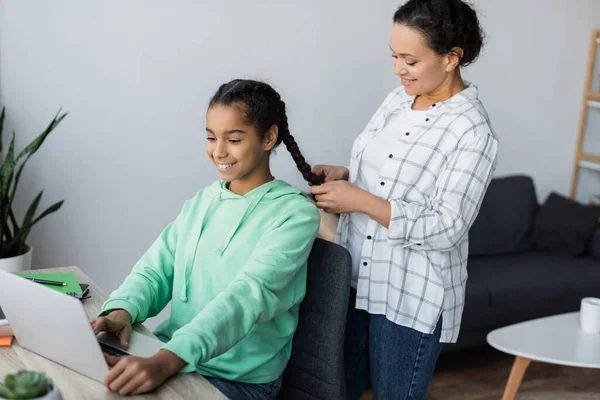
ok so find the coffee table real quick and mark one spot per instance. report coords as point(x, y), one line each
point(555, 340)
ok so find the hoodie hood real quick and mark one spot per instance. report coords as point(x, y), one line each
point(218, 193)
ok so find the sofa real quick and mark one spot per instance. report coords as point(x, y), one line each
point(511, 279)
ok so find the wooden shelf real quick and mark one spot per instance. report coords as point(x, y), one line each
point(595, 166)
point(591, 100)
point(590, 157)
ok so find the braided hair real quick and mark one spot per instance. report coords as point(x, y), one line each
point(263, 108)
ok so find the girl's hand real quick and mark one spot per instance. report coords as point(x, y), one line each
point(118, 322)
point(135, 375)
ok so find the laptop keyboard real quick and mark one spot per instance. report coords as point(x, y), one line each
point(111, 351)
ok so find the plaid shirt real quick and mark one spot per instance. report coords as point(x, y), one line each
point(435, 178)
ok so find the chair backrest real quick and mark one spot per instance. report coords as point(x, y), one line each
point(316, 366)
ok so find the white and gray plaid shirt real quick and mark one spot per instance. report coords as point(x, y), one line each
point(435, 178)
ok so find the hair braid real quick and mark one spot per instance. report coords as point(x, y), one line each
point(292, 146)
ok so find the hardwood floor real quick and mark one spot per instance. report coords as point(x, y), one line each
point(481, 374)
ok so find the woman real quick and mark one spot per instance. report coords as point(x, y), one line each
point(416, 179)
point(233, 263)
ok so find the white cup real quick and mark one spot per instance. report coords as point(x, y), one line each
point(590, 315)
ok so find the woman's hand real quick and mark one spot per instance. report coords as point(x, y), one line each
point(339, 196)
point(135, 375)
point(117, 322)
point(332, 172)
point(343, 197)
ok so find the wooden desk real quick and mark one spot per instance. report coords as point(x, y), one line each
point(74, 386)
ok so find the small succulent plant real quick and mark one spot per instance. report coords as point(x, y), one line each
point(25, 385)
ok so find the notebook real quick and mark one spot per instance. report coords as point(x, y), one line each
point(6, 341)
point(72, 287)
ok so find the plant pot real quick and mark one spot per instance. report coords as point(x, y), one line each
point(17, 263)
point(54, 394)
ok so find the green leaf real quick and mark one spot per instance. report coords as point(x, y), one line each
point(13, 192)
point(37, 142)
point(1, 127)
point(6, 177)
point(7, 170)
point(48, 211)
point(11, 215)
point(9, 233)
point(32, 209)
point(20, 237)
point(24, 232)
point(6, 392)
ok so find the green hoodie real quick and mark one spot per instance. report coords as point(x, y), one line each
point(234, 268)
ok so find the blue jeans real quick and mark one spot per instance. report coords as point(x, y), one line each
point(399, 360)
point(247, 391)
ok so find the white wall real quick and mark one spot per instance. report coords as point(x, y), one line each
point(136, 77)
point(531, 79)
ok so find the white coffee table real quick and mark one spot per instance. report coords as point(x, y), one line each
point(555, 340)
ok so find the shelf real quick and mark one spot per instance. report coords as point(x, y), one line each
point(590, 157)
point(591, 100)
point(589, 165)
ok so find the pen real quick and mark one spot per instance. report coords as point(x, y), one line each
point(56, 283)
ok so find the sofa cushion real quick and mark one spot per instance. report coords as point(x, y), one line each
point(564, 226)
point(535, 278)
point(595, 245)
point(505, 219)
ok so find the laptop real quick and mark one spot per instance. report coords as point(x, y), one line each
point(56, 326)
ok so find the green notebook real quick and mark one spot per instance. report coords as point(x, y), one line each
point(72, 286)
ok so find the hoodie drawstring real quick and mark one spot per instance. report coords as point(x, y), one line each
point(189, 265)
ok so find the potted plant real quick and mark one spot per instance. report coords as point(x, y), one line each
point(15, 253)
point(29, 385)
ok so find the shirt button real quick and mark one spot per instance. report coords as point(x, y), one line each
point(369, 237)
point(433, 105)
point(426, 119)
point(382, 183)
point(365, 263)
point(407, 133)
point(418, 244)
point(391, 156)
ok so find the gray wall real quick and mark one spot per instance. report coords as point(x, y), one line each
point(136, 77)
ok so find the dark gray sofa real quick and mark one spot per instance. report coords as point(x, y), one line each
point(509, 279)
